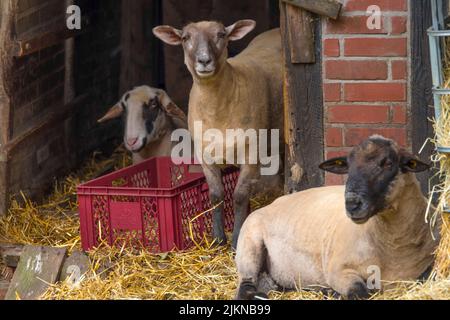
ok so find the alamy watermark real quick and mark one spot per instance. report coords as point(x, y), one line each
point(234, 147)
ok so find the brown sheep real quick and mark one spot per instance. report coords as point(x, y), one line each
point(243, 92)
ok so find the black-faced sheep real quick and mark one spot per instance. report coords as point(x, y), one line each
point(338, 237)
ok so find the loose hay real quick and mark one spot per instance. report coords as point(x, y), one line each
point(205, 272)
point(442, 161)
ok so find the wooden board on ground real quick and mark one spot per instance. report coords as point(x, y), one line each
point(10, 254)
point(38, 268)
point(75, 267)
point(4, 284)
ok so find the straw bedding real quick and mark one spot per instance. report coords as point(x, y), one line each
point(205, 272)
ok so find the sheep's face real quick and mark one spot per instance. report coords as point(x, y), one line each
point(143, 121)
point(144, 117)
point(205, 43)
point(374, 170)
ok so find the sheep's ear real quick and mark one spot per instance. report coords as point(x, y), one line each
point(177, 115)
point(410, 163)
point(335, 165)
point(113, 113)
point(168, 34)
point(240, 29)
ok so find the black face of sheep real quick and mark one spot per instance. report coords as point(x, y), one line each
point(372, 168)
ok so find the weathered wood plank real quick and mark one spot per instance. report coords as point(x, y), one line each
point(38, 267)
point(10, 254)
point(303, 99)
point(300, 35)
point(75, 267)
point(53, 118)
point(4, 285)
point(141, 52)
point(39, 41)
point(421, 84)
point(7, 13)
point(327, 8)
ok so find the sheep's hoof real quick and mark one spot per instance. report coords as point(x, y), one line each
point(358, 291)
point(247, 291)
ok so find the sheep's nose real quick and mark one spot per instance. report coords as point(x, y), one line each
point(131, 142)
point(204, 60)
point(353, 202)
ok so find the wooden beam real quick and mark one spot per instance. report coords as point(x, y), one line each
point(39, 267)
point(421, 84)
point(303, 102)
point(327, 8)
point(300, 34)
point(45, 39)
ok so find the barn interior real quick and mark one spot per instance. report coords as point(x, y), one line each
point(56, 83)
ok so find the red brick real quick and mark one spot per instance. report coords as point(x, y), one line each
point(399, 114)
point(336, 154)
point(375, 47)
point(354, 136)
point(358, 114)
point(385, 5)
point(334, 137)
point(334, 179)
point(356, 70)
point(353, 25)
point(332, 92)
point(399, 25)
point(399, 70)
point(331, 48)
point(373, 92)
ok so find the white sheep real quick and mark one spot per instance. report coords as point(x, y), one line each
point(150, 118)
point(341, 237)
point(244, 92)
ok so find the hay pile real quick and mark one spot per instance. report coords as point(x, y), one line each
point(205, 272)
point(442, 161)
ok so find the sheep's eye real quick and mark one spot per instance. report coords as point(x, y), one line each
point(153, 104)
point(221, 35)
point(186, 37)
point(386, 163)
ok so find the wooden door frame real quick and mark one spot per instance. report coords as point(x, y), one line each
point(304, 113)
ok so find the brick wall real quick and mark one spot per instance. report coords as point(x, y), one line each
point(365, 77)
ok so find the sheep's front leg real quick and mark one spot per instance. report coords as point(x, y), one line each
point(213, 176)
point(349, 284)
point(242, 198)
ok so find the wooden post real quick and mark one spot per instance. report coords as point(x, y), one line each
point(327, 8)
point(303, 101)
point(140, 49)
point(300, 35)
point(7, 9)
point(421, 83)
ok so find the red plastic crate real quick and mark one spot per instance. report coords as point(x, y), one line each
point(151, 204)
